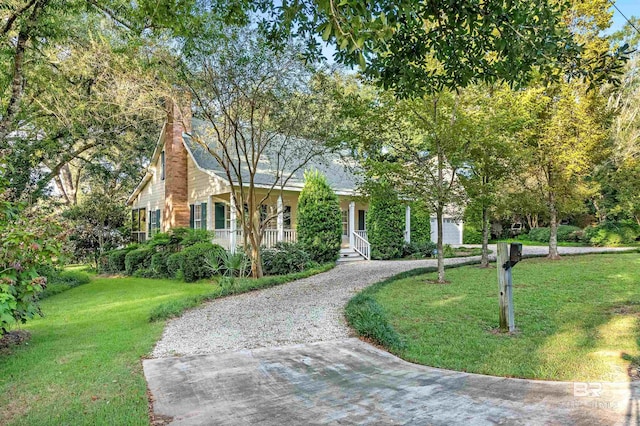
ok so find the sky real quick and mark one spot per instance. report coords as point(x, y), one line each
point(629, 8)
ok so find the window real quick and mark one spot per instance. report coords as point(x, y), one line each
point(162, 165)
point(198, 216)
point(287, 217)
point(269, 212)
point(345, 223)
point(139, 225)
point(154, 222)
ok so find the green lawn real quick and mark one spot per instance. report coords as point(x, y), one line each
point(82, 364)
point(578, 319)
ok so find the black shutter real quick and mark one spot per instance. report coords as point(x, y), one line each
point(361, 220)
point(191, 216)
point(219, 216)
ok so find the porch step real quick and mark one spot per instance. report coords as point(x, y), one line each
point(349, 255)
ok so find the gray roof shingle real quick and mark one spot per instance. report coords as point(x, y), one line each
point(341, 171)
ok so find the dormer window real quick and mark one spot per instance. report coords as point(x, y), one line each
point(162, 165)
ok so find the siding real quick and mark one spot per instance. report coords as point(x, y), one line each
point(201, 185)
point(152, 195)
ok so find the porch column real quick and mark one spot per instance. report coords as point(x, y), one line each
point(280, 219)
point(210, 212)
point(352, 221)
point(232, 223)
point(407, 224)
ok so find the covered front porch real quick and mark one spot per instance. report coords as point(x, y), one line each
point(281, 212)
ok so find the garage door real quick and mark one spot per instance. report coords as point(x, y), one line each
point(451, 231)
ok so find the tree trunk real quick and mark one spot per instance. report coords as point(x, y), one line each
point(553, 228)
point(484, 261)
point(255, 239)
point(17, 84)
point(256, 263)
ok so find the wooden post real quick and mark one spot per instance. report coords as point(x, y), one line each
point(507, 321)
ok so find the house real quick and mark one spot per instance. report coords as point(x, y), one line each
point(185, 187)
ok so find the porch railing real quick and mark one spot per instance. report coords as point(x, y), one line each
point(269, 238)
point(361, 244)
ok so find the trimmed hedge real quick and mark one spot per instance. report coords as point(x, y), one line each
point(196, 257)
point(319, 219)
point(420, 223)
point(612, 234)
point(138, 259)
point(385, 223)
point(159, 264)
point(285, 258)
point(175, 262)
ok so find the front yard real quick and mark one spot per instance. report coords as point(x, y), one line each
point(578, 319)
point(82, 364)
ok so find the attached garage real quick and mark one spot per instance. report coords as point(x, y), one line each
point(451, 230)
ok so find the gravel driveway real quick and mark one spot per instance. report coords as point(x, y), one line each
point(304, 311)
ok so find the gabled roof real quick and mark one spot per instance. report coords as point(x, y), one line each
point(340, 170)
point(149, 172)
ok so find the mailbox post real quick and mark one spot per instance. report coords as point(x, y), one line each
point(507, 256)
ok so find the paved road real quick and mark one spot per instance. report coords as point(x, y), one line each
point(351, 382)
point(304, 369)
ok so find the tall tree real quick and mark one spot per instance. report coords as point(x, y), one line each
point(260, 114)
point(495, 119)
point(417, 145)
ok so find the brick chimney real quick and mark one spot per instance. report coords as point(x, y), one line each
point(176, 207)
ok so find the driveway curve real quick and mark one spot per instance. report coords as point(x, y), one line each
point(283, 356)
point(304, 311)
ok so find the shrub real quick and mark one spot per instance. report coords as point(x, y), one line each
point(175, 262)
point(612, 233)
point(28, 243)
point(420, 223)
point(385, 223)
point(72, 278)
point(319, 219)
point(196, 263)
point(419, 250)
point(285, 258)
point(59, 281)
point(566, 233)
point(137, 259)
point(471, 235)
point(192, 237)
point(115, 260)
point(159, 264)
point(228, 264)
